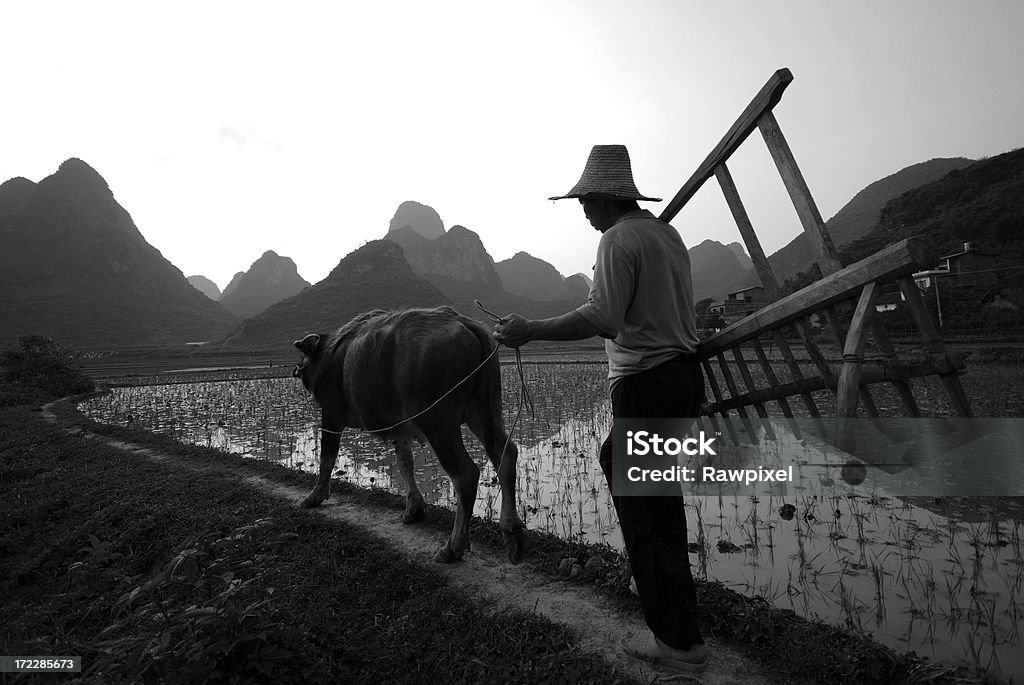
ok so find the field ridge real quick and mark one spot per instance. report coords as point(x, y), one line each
point(484, 574)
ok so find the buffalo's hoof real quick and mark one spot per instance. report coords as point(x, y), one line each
point(413, 515)
point(444, 555)
point(515, 545)
point(447, 555)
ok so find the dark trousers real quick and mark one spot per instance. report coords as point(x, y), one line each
point(654, 528)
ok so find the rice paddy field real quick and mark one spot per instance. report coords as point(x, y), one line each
point(942, 576)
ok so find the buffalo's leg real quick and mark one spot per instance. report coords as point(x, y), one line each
point(413, 499)
point(451, 453)
point(503, 455)
point(329, 444)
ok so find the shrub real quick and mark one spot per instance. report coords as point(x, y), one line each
point(38, 369)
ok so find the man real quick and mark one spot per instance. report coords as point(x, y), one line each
point(641, 302)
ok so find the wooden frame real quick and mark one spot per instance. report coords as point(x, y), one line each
point(841, 291)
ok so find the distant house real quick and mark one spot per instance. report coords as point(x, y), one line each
point(740, 303)
point(968, 267)
point(887, 302)
point(971, 267)
point(924, 279)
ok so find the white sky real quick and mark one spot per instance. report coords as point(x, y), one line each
point(227, 129)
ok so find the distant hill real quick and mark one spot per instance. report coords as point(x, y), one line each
point(457, 263)
point(976, 216)
point(375, 275)
point(270, 279)
point(526, 275)
point(423, 220)
point(205, 286)
point(457, 255)
point(715, 268)
point(860, 215)
point(73, 266)
point(232, 284)
point(982, 204)
point(741, 254)
point(857, 218)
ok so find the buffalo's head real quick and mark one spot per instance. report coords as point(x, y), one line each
point(309, 347)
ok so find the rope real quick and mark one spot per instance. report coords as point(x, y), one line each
point(524, 393)
point(432, 404)
point(883, 358)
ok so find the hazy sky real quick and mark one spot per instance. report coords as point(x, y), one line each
point(227, 129)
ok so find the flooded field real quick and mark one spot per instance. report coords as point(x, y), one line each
point(941, 576)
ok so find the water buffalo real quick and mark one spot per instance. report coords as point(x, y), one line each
point(382, 368)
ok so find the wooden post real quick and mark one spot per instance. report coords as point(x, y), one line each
point(766, 98)
point(800, 194)
point(853, 359)
point(832, 316)
point(739, 214)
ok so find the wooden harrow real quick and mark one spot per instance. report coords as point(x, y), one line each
point(843, 300)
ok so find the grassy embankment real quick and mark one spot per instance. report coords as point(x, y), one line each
point(155, 573)
point(159, 574)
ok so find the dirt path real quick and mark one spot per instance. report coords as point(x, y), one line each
point(485, 575)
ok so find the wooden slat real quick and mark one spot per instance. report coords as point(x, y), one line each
point(754, 249)
point(899, 259)
point(797, 374)
point(870, 374)
point(734, 391)
point(803, 328)
point(903, 389)
point(716, 391)
point(800, 194)
point(748, 381)
point(773, 380)
point(714, 423)
point(766, 98)
point(933, 343)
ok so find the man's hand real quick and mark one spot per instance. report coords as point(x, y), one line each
point(514, 331)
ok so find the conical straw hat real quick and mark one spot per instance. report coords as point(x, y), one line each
point(608, 175)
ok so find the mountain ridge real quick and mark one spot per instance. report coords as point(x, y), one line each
point(854, 219)
point(373, 276)
point(75, 267)
point(269, 279)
